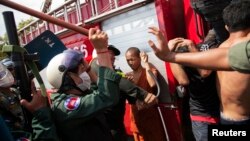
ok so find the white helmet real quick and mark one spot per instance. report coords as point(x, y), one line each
point(60, 64)
point(6, 78)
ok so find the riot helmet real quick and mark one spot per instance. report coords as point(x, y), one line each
point(6, 78)
point(60, 64)
point(8, 63)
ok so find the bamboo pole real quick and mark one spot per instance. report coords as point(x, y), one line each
point(43, 16)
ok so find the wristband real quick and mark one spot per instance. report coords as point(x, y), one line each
point(100, 52)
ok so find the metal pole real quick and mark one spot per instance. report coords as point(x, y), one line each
point(21, 75)
point(43, 16)
point(158, 107)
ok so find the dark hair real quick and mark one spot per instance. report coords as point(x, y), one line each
point(237, 15)
point(135, 50)
point(67, 84)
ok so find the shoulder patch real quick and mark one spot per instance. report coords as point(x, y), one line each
point(72, 103)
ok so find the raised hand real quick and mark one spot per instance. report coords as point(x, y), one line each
point(99, 39)
point(172, 44)
point(144, 57)
point(161, 51)
point(190, 44)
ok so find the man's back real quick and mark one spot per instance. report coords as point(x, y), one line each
point(235, 94)
point(233, 87)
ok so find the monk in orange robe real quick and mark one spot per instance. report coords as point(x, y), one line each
point(146, 123)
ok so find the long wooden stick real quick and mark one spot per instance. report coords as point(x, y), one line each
point(43, 16)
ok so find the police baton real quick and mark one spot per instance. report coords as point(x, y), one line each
point(158, 107)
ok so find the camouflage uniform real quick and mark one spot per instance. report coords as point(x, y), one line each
point(11, 109)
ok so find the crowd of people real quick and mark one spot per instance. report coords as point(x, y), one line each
point(89, 98)
point(232, 92)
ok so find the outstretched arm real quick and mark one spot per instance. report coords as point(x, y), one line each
point(216, 59)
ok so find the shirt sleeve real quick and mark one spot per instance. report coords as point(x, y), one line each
point(131, 91)
point(105, 96)
point(43, 125)
point(239, 57)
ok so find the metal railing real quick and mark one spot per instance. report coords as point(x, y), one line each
point(72, 12)
point(63, 12)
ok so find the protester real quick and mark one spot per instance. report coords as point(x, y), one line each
point(204, 102)
point(232, 86)
point(145, 124)
point(234, 58)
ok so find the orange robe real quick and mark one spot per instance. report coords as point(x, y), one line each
point(146, 124)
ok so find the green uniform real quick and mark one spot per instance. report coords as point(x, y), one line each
point(81, 118)
point(115, 114)
point(239, 57)
point(43, 125)
point(12, 114)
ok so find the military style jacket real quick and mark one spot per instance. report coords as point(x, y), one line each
point(11, 110)
point(12, 114)
point(81, 118)
point(128, 91)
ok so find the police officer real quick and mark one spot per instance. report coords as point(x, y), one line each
point(12, 115)
point(78, 112)
point(10, 107)
point(128, 91)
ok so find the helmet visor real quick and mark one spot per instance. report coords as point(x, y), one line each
point(72, 58)
point(6, 78)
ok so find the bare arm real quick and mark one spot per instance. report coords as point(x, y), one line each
point(177, 69)
point(216, 59)
point(192, 48)
point(149, 67)
point(179, 74)
point(99, 40)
